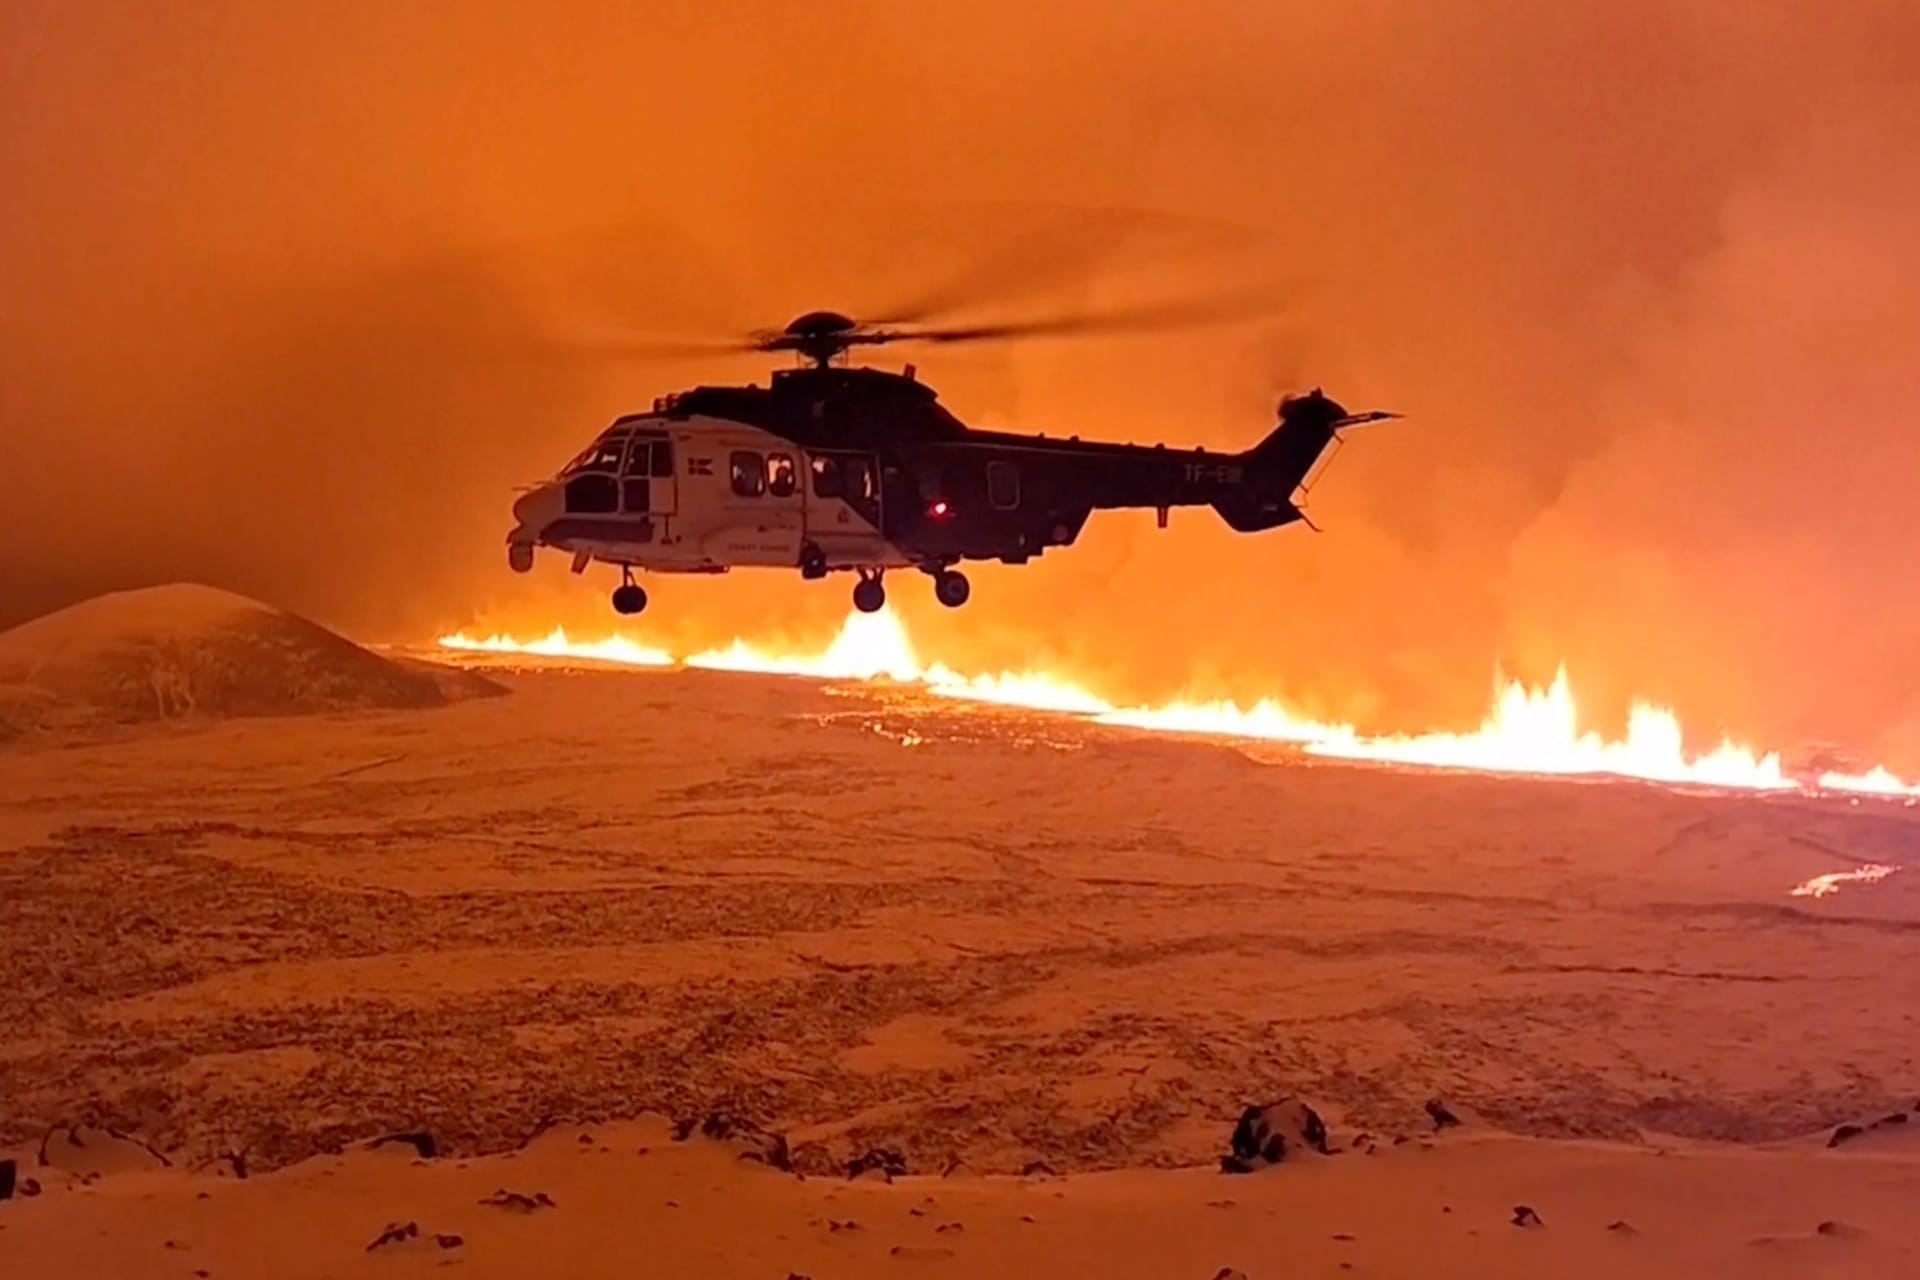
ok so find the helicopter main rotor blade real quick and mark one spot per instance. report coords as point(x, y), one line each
point(1161, 318)
point(1068, 251)
point(647, 348)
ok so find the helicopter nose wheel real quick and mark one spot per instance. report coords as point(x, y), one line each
point(628, 597)
point(950, 588)
point(869, 596)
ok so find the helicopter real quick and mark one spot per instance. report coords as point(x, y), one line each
point(834, 467)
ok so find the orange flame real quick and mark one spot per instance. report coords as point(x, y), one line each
point(1527, 730)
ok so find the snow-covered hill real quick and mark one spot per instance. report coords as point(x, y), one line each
point(184, 650)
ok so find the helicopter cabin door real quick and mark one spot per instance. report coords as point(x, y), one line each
point(843, 507)
point(646, 480)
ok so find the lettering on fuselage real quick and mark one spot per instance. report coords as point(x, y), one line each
point(1217, 472)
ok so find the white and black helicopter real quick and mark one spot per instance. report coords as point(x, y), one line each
point(836, 467)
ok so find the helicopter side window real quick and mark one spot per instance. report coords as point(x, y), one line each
point(826, 478)
point(1003, 485)
point(858, 478)
point(749, 474)
point(781, 480)
point(662, 460)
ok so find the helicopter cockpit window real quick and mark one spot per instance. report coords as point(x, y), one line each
point(781, 481)
point(749, 476)
point(662, 460)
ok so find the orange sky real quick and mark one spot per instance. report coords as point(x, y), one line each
point(1640, 273)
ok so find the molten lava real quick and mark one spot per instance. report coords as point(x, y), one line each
point(557, 644)
point(1527, 730)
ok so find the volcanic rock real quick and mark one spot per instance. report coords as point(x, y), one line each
point(1264, 1135)
point(1443, 1116)
point(421, 1141)
point(1524, 1216)
point(1845, 1133)
point(888, 1163)
point(83, 1150)
point(812, 1160)
point(518, 1201)
point(187, 651)
point(751, 1141)
point(395, 1233)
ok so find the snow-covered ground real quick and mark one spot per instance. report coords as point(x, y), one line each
point(877, 918)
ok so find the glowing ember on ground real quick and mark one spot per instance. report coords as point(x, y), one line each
point(1821, 886)
point(1527, 730)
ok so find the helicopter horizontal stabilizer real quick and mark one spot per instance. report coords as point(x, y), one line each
point(1248, 512)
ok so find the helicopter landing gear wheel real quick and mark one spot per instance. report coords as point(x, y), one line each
point(869, 596)
point(628, 598)
point(950, 588)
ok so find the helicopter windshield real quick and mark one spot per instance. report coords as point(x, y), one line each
point(603, 454)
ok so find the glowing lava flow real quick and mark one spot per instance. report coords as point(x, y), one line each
point(1527, 730)
point(1874, 782)
point(556, 644)
point(1821, 886)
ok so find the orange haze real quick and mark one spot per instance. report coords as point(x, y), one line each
point(280, 288)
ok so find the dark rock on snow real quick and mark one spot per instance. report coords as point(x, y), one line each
point(421, 1141)
point(519, 1202)
point(1264, 1135)
point(395, 1233)
point(889, 1163)
point(754, 1143)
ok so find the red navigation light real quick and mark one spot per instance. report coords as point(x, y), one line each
point(938, 509)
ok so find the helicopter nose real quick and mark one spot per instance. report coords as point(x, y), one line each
point(532, 512)
point(537, 506)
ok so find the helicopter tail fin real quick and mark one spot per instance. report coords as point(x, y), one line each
point(1286, 464)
